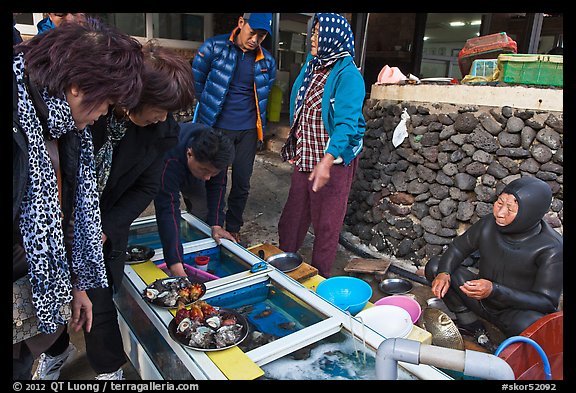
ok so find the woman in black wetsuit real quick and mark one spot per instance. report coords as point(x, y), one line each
point(520, 269)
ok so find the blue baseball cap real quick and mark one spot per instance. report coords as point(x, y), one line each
point(259, 21)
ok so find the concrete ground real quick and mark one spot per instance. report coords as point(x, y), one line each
point(270, 184)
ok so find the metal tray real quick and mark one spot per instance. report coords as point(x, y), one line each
point(285, 261)
point(240, 319)
point(395, 286)
point(142, 254)
point(169, 280)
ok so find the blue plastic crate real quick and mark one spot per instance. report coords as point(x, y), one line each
point(483, 67)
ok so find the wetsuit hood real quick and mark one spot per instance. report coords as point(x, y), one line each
point(534, 197)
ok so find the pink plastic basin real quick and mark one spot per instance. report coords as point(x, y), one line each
point(406, 302)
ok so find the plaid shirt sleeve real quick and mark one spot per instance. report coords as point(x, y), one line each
point(312, 137)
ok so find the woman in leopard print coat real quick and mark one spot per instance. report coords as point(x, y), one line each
point(64, 80)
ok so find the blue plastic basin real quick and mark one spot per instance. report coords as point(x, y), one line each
point(348, 293)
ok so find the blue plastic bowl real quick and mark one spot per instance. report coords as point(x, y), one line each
point(349, 293)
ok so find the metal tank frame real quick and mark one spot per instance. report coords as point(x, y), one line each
point(144, 328)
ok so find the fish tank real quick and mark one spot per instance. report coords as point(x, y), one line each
point(196, 242)
point(273, 313)
point(338, 357)
point(292, 332)
point(270, 311)
point(222, 263)
point(144, 232)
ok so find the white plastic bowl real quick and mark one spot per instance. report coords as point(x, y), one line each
point(389, 321)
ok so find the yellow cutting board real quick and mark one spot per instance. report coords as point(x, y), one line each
point(233, 362)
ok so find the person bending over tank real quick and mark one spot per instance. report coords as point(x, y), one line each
point(196, 168)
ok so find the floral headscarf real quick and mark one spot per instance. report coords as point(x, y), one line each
point(335, 40)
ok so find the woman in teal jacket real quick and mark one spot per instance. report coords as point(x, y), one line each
point(325, 140)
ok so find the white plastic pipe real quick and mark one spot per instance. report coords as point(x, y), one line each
point(472, 363)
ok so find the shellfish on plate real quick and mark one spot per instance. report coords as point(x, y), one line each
point(170, 292)
point(206, 328)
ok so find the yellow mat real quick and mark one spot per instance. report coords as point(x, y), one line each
point(233, 362)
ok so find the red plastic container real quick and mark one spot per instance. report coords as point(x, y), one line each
point(202, 262)
point(484, 47)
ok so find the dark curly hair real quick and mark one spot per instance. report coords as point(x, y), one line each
point(105, 63)
point(211, 146)
point(167, 80)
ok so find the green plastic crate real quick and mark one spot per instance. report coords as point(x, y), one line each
point(531, 69)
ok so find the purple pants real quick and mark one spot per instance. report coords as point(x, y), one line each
point(324, 209)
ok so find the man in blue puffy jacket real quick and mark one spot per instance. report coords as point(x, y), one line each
point(233, 76)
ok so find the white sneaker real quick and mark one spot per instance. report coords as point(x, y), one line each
point(116, 375)
point(49, 366)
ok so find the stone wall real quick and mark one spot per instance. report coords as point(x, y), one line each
point(410, 201)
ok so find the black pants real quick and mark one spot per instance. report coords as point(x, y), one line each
point(104, 347)
point(245, 144)
point(22, 363)
point(510, 321)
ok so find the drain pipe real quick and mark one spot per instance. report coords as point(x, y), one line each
point(471, 363)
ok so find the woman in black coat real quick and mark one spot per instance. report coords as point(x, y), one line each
point(129, 147)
